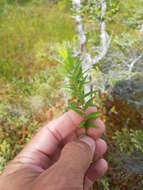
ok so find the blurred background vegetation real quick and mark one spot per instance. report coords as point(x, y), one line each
point(31, 88)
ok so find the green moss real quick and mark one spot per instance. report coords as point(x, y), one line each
point(22, 28)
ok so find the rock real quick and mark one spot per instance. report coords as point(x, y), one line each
point(131, 91)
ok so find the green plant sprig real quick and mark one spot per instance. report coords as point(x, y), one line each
point(77, 79)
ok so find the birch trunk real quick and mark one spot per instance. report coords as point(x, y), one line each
point(86, 58)
point(132, 64)
point(104, 38)
point(88, 62)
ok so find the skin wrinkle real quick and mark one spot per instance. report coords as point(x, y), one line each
point(18, 166)
point(40, 158)
point(30, 157)
point(55, 133)
point(43, 153)
point(71, 119)
point(47, 158)
point(87, 183)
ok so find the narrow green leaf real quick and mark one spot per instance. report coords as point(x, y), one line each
point(92, 115)
point(74, 107)
point(89, 93)
point(90, 125)
point(82, 124)
point(88, 104)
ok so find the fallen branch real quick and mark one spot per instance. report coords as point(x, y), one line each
point(131, 65)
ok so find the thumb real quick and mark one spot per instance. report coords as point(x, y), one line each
point(77, 156)
point(70, 170)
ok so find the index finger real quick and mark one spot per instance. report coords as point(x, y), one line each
point(50, 136)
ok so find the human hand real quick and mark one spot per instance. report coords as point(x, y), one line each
point(58, 158)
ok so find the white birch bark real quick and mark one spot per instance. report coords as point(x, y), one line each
point(131, 66)
point(86, 58)
point(104, 38)
point(88, 62)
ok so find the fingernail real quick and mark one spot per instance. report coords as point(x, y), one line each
point(90, 142)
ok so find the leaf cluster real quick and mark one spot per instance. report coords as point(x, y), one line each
point(129, 141)
point(77, 79)
point(92, 9)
